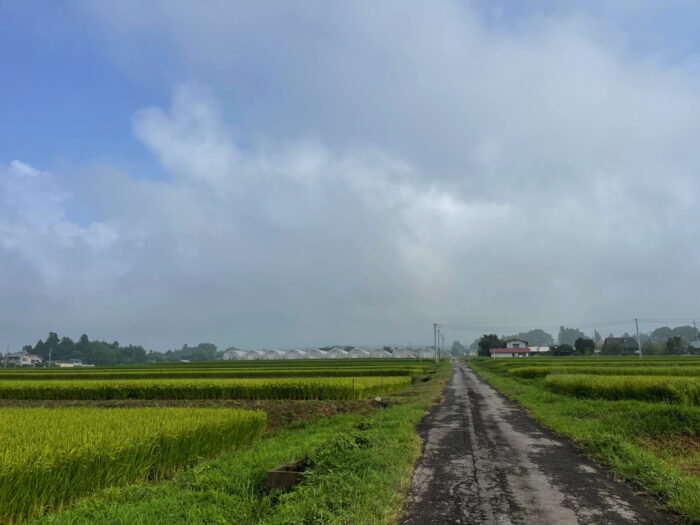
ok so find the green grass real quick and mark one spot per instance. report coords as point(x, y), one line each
point(361, 467)
point(50, 457)
point(290, 388)
point(618, 433)
point(669, 389)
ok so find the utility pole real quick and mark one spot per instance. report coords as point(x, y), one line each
point(696, 335)
point(639, 343)
point(50, 349)
point(443, 343)
point(7, 352)
point(435, 341)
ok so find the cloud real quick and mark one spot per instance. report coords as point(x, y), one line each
point(359, 173)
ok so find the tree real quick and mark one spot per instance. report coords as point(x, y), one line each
point(537, 337)
point(612, 348)
point(676, 346)
point(562, 350)
point(487, 342)
point(568, 336)
point(584, 346)
point(458, 349)
point(652, 349)
point(662, 334)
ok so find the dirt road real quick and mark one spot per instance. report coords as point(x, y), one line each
point(486, 461)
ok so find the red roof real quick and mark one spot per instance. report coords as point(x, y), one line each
point(510, 350)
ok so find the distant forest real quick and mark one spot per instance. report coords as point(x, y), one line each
point(102, 353)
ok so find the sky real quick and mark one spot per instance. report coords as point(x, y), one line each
point(262, 174)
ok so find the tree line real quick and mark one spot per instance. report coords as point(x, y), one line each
point(572, 341)
point(103, 353)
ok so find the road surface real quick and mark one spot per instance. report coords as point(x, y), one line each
point(486, 461)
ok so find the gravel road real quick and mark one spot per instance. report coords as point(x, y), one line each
point(486, 461)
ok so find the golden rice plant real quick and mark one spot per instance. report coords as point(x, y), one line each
point(531, 372)
point(289, 388)
point(50, 457)
point(670, 389)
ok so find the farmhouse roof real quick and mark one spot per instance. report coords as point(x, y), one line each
point(510, 350)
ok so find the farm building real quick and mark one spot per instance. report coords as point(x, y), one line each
point(233, 354)
point(513, 351)
point(295, 354)
point(358, 353)
point(516, 343)
point(426, 353)
point(337, 353)
point(402, 353)
point(316, 354)
point(270, 355)
point(379, 353)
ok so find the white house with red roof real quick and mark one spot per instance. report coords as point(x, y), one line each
point(514, 348)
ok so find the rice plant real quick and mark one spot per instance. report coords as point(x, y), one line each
point(670, 389)
point(531, 372)
point(292, 388)
point(183, 373)
point(50, 457)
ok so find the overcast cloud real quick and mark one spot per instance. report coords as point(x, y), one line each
point(352, 173)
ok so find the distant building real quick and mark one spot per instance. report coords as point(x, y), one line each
point(379, 353)
point(23, 359)
point(72, 363)
point(628, 344)
point(271, 355)
point(516, 343)
point(358, 353)
point(510, 352)
point(337, 353)
point(295, 354)
point(539, 349)
point(402, 353)
point(316, 354)
point(233, 354)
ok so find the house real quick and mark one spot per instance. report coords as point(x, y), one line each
point(23, 359)
point(514, 348)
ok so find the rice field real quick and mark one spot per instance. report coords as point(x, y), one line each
point(50, 457)
point(212, 373)
point(655, 388)
point(289, 388)
point(531, 372)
